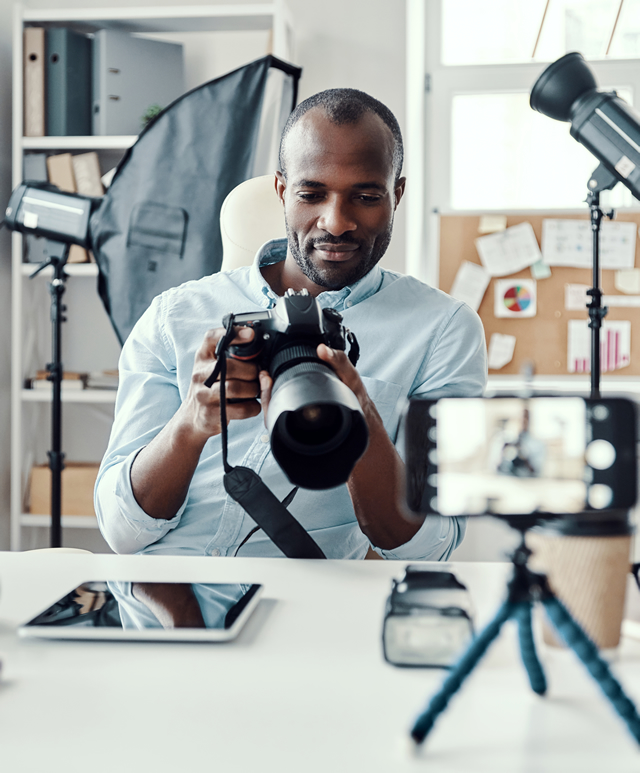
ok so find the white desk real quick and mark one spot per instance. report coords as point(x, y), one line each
point(305, 688)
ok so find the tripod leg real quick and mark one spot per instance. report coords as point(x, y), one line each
point(459, 673)
point(528, 649)
point(587, 651)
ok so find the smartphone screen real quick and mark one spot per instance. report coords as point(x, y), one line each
point(511, 455)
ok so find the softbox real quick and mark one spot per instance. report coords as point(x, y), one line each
point(158, 224)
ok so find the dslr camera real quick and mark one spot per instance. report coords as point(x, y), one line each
point(317, 428)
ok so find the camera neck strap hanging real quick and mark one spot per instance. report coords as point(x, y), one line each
point(247, 488)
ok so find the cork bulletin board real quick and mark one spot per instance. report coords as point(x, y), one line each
point(543, 338)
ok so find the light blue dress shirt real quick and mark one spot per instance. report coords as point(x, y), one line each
point(414, 340)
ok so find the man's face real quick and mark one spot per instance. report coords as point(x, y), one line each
point(339, 197)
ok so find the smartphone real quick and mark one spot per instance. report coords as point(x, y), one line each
point(514, 456)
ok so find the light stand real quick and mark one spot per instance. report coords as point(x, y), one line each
point(525, 588)
point(58, 254)
point(601, 180)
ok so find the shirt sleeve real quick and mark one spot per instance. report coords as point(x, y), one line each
point(457, 367)
point(436, 539)
point(148, 397)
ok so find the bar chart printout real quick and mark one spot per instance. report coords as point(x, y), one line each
point(615, 346)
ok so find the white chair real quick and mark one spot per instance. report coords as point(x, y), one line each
point(250, 216)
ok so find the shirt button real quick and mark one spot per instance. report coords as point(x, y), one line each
point(215, 552)
point(264, 438)
point(349, 304)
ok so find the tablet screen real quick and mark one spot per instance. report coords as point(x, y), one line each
point(147, 610)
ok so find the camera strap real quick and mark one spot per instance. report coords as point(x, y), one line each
point(247, 488)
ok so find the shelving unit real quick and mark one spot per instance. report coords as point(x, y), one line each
point(78, 143)
point(72, 269)
point(30, 307)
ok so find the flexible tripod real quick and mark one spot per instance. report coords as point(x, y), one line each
point(58, 254)
point(525, 588)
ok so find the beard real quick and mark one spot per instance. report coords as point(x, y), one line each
point(335, 276)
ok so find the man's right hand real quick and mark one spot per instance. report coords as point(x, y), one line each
point(201, 409)
point(161, 473)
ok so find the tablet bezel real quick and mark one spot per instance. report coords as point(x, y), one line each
point(71, 632)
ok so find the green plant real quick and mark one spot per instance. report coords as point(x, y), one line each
point(150, 114)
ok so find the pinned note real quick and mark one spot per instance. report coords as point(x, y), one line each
point(540, 270)
point(515, 298)
point(508, 252)
point(628, 281)
point(490, 224)
point(501, 348)
point(570, 243)
point(615, 346)
point(621, 301)
point(575, 297)
point(470, 284)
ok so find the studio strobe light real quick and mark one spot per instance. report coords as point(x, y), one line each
point(600, 120)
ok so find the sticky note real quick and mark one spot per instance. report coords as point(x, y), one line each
point(501, 348)
point(628, 281)
point(490, 224)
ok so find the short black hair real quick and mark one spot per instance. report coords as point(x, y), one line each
point(344, 106)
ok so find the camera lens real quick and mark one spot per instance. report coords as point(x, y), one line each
point(316, 428)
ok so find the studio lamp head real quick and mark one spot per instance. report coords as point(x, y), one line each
point(42, 209)
point(600, 120)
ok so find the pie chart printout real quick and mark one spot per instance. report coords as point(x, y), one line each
point(515, 298)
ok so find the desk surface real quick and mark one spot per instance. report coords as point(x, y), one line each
point(305, 688)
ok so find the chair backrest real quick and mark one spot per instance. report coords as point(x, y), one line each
point(58, 550)
point(250, 216)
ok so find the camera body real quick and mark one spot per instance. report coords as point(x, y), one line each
point(317, 428)
point(289, 333)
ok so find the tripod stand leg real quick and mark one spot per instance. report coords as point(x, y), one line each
point(586, 650)
point(459, 673)
point(528, 649)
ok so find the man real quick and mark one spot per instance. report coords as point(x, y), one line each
point(160, 489)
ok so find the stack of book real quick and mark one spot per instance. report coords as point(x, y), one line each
point(71, 380)
point(102, 379)
point(103, 83)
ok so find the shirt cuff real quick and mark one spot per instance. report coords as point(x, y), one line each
point(436, 539)
point(124, 524)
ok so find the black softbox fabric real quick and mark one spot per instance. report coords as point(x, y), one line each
point(158, 224)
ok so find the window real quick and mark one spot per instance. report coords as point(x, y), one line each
point(487, 149)
point(510, 31)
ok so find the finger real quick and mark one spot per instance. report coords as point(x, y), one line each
point(243, 335)
point(266, 385)
point(342, 366)
point(242, 370)
point(242, 390)
point(244, 410)
point(212, 337)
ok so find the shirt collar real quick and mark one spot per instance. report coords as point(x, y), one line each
point(275, 251)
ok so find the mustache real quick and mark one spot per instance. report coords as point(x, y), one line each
point(330, 239)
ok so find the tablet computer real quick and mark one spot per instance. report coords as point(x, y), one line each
point(147, 611)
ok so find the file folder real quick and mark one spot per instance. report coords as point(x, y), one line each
point(129, 76)
point(34, 48)
point(68, 74)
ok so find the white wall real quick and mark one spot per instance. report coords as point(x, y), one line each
point(6, 13)
point(353, 43)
